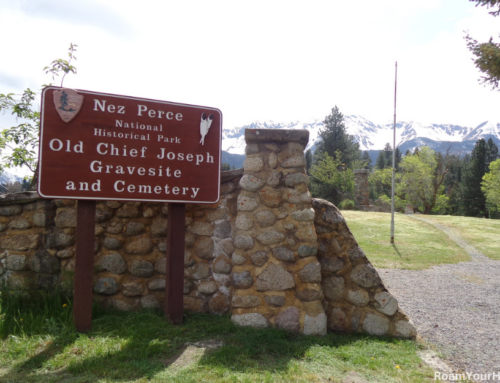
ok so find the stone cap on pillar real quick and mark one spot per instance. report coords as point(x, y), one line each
point(361, 171)
point(277, 135)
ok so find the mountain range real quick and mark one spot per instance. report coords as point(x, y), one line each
point(373, 137)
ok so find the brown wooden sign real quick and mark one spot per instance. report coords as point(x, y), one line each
point(100, 146)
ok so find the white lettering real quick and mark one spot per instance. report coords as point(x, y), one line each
point(59, 142)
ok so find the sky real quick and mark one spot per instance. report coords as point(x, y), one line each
point(261, 60)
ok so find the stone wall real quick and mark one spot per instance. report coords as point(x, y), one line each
point(267, 253)
point(361, 189)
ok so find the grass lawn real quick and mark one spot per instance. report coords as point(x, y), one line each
point(418, 245)
point(483, 234)
point(143, 347)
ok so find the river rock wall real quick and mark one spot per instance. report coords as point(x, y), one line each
point(266, 253)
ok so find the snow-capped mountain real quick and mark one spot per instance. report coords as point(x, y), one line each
point(371, 136)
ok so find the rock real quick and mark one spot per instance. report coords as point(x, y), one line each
point(132, 289)
point(386, 303)
point(253, 164)
point(128, 212)
point(238, 259)
point(265, 218)
point(207, 287)
point(295, 179)
point(66, 253)
point(332, 215)
point(333, 288)
point(251, 183)
point(204, 248)
point(149, 302)
point(189, 239)
point(148, 213)
point(188, 285)
point(112, 243)
point(307, 251)
point(271, 197)
point(40, 219)
point(252, 149)
point(275, 300)
point(294, 162)
point(273, 147)
point(337, 320)
point(114, 263)
point(106, 286)
point(331, 265)
point(159, 227)
point(244, 242)
point(252, 320)
point(245, 203)
point(311, 273)
point(243, 222)
point(259, 258)
point(245, 301)
point(199, 271)
point(270, 237)
point(306, 197)
point(365, 275)
point(101, 215)
point(134, 228)
point(283, 254)
point(19, 224)
point(141, 268)
point(201, 228)
point(8, 210)
point(16, 262)
point(161, 265)
point(43, 262)
point(289, 226)
point(113, 204)
point(358, 297)
point(22, 242)
point(309, 295)
point(273, 160)
point(405, 329)
point(355, 253)
point(227, 246)
point(242, 280)
point(288, 319)
point(219, 304)
point(274, 278)
point(115, 228)
point(120, 305)
point(315, 325)
point(376, 324)
point(307, 233)
point(222, 230)
point(274, 179)
point(140, 246)
point(162, 247)
point(157, 284)
point(304, 215)
point(217, 215)
point(355, 319)
point(222, 265)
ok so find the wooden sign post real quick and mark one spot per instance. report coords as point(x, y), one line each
point(98, 146)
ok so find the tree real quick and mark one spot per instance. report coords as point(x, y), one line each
point(334, 139)
point(473, 199)
point(22, 140)
point(491, 184)
point(331, 179)
point(380, 164)
point(366, 160)
point(491, 152)
point(487, 55)
point(421, 179)
point(225, 167)
point(309, 159)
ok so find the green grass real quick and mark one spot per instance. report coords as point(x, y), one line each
point(418, 245)
point(483, 234)
point(143, 347)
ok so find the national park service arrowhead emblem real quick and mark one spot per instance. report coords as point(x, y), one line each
point(68, 103)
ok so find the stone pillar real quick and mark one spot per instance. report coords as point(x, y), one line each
point(276, 275)
point(361, 193)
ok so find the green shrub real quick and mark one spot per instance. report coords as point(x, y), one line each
point(347, 204)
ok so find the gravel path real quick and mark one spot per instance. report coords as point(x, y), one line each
point(456, 307)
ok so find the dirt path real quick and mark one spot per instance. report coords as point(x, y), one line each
point(456, 307)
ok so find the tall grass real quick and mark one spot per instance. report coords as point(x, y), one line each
point(34, 313)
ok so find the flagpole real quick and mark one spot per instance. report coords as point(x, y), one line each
point(394, 155)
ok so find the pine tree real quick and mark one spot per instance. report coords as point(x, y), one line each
point(333, 138)
point(473, 199)
point(380, 164)
point(491, 153)
point(366, 160)
point(309, 159)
